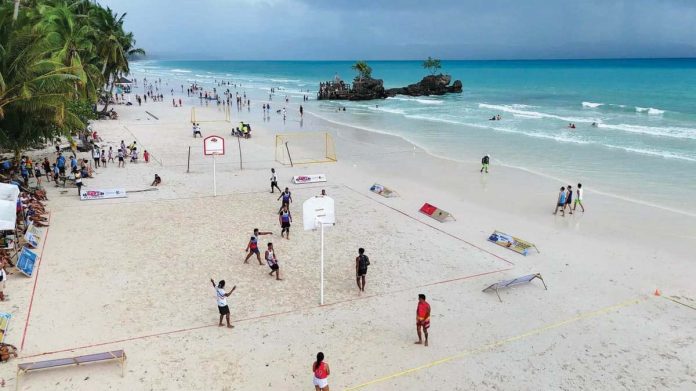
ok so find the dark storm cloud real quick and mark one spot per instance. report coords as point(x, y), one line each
point(343, 29)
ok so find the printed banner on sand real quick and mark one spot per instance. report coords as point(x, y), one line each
point(515, 244)
point(100, 194)
point(26, 261)
point(314, 178)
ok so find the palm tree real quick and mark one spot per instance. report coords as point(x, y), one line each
point(33, 89)
point(364, 70)
point(72, 38)
point(54, 56)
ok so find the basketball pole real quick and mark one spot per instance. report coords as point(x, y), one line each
point(214, 178)
point(321, 296)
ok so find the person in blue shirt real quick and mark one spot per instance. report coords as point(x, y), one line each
point(73, 163)
point(24, 171)
point(60, 162)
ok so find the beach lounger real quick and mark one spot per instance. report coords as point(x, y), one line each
point(515, 281)
point(118, 355)
point(383, 191)
point(515, 244)
point(436, 213)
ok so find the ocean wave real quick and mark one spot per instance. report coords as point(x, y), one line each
point(591, 105)
point(649, 110)
point(669, 131)
point(177, 70)
point(532, 114)
point(437, 119)
point(386, 109)
point(560, 138)
point(285, 80)
point(419, 100)
point(651, 152)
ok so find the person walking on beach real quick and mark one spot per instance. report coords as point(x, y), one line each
point(253, 246)
point(361, 264)
point(561, 201)
point(78, 181)
point(121, 162)
point(301, 111)
point(96, 156)
point(274, 181)
point(484, 163)
point(272, 262)
point(422, 319)
point(321, 372)
point(578, 198)
point(111, 154)
point(222, 301)
point(569, 199)
point(284, 218)
point(287, 198)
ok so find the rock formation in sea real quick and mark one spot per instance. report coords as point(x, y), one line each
point(367, 88)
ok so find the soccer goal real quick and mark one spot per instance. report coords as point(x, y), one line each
point(304, 148)
point(215, 114)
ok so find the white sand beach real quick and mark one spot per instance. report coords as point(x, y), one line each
point(134, 273)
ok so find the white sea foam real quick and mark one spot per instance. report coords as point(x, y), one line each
point(177, 70)
point(657, 153)
point(419, 100)
point(591, 105)
point(285, 80)
point(649, 110)
point(531, 114)
point(664, 131)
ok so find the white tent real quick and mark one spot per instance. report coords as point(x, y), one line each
point(8, 206)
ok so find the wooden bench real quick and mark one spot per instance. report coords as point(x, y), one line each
point(515, 281)
point(118, 355)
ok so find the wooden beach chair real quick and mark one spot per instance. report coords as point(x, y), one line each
point(115, 355)
point(515, 281)
point(436, 213)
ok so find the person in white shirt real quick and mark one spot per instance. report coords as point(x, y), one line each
point(578, 198)
point(222, 301)
point(96, 155)
point(274, 181)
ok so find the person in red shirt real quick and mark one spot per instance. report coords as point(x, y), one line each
point(321, 372)
point(146, 155)
point(422, 319)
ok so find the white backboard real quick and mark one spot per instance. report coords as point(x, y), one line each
point(318, 210)
point(213, 145)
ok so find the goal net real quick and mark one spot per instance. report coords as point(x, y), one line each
point(211, 114)
point(304, 148)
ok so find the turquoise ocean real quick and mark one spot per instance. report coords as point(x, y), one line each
point(643, 149)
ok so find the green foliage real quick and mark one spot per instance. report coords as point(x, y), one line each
point(56, 56)
point(432, 64)
point(82, 109)
point(364, 70)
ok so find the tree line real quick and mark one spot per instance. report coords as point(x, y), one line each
point(57, 58)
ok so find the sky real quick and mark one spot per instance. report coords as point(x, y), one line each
point(410, 29)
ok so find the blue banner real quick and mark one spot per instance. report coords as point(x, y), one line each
point(26, 261)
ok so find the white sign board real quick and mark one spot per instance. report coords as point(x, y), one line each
point(316, 211)
point(213, 145)
point(100, 194)
point(314, 178)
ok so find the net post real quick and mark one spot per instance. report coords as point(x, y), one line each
point(289, 157)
